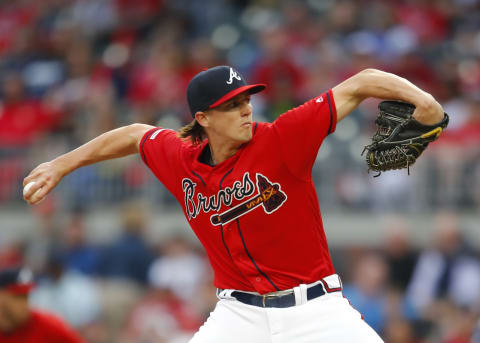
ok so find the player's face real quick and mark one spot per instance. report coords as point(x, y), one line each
point(232, 121)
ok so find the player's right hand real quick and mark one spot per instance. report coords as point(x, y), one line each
point(45, 177)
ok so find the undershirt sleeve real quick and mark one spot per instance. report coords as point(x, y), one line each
point(301, 131)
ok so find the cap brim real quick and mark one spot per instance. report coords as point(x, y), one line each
point(20, 289)
point(252, 89)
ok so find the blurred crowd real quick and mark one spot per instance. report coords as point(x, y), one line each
point(72, 69)
point(418, 294)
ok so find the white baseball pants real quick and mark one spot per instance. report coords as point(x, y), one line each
point(328, 318)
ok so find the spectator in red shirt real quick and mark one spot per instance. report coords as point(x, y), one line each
point(21, 324)
point(22, 120)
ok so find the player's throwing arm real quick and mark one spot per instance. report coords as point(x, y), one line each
point(112, 144)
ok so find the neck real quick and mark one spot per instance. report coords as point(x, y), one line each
point(222, 152)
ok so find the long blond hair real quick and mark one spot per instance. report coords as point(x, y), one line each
point(193, 131)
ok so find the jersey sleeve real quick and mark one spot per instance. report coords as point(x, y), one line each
point(160, 151)
point(301, 131)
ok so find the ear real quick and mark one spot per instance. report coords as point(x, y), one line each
point(202, 118)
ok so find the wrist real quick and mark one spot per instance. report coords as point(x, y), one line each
point(63, 165)
point(428, 111)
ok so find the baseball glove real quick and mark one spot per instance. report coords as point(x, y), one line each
point(399, 139)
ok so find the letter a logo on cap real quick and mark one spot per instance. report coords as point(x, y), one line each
point(233, 74)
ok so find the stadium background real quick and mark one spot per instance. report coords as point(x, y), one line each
point(110, 248)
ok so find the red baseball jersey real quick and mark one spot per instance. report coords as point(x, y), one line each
point(42, 327)
point(256, 213)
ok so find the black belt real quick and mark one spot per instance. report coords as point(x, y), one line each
point(287, 300)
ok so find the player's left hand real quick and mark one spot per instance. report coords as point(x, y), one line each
point(400, 138)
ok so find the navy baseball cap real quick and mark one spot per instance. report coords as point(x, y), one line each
point(214, 86)
point(16, 280)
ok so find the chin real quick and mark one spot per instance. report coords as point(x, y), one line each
point(246, 138)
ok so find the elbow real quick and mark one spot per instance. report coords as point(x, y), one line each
point(135, 127)
point(361, 83)
point(370, 72)
point(372, 75)
point(135, 132)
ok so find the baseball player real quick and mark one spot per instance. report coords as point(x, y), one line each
point(246, 190)
point(21, 324)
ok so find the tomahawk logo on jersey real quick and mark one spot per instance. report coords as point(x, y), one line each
point(270, 196)
point(249, 212)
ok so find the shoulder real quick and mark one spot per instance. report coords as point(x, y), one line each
point(159, 138)
point(159, 133)
point(261, 131)
point(46, 318)
point(54, 326)
point(169, 136)
point(314, 115)
point(260, 128)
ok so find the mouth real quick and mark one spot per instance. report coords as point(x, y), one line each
point(248, 124)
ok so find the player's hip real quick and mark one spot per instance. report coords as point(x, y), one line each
point(296, 296)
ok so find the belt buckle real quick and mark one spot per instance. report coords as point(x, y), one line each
point(265, 296)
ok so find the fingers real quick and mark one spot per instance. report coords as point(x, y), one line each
point(44, 190)
point(37, 194)
point(34, 192)
point(38, 184)
point(29, 178)
point(35, 174)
